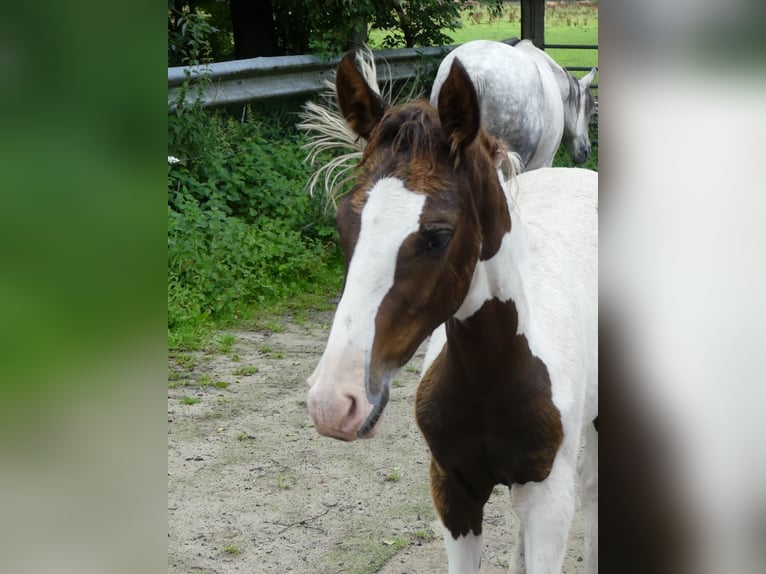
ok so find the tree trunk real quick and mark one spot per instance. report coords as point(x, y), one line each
point(405, 25)
point(252, 22)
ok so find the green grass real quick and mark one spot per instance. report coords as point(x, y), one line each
point(583, 30)
point(224, 342)
point(425, 535)
point(284, 482)
point(190, 400)
point(394, 474)
point(246, 371)
point(231, 549)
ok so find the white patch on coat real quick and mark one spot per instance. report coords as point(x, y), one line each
point(548, 266)
point(463, 552)
point(391, 213)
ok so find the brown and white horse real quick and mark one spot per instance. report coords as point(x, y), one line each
point(437, 237)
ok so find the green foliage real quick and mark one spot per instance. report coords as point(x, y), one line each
point(320, 27)
point(189, 36)
point(241, 228)
point(562, 158)
point(414, 23)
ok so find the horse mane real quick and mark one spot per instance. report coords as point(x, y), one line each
point(328, 131)
point(414, 128)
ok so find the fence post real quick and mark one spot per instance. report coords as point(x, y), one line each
point(533, 22)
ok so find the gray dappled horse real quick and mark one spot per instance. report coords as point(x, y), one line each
point(526, 99)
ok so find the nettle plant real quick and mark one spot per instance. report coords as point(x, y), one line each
point(241, 228)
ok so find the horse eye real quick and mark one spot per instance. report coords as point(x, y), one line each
point(436, 241)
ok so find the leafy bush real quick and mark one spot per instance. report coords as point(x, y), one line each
point(241, 228)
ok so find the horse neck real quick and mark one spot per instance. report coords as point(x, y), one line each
point(480, 331)
point(490, 201)
point(503, 247)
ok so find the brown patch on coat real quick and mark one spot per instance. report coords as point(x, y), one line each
point(460, 509)
point(485, 408)
point(427, 289)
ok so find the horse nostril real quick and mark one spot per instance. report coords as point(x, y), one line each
point(352, 408)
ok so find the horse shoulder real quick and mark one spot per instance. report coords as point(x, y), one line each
point(557, 220)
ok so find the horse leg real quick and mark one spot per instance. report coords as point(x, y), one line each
point(517, 559)
point(461, 518)
point(589, 496)
point(545, 510)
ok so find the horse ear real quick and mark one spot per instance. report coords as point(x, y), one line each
point(459, 109)
point(359, 103)
point(587, 80)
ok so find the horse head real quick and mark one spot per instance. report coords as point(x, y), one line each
point(579, 109)
point(412, 231)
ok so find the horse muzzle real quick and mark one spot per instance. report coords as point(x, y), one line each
point(343, 411)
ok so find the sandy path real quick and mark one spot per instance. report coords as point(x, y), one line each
point(253, 488)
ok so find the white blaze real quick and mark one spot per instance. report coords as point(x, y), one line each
point(392, 213)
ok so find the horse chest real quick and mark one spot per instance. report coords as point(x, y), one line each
point(485, 405)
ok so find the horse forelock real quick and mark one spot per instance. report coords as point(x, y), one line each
point(411, 132)
point(411, 144)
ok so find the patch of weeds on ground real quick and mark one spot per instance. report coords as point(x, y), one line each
point(500, 563)
point(187, 400)
point(246, 371)
point(271, 324)
point(271, 353)
point(220, 384)
point(397, 384)
point(300, 317)
point(398, 542)
point(283, 481)
point(231, 549)
point(175, 384)
point(242, 436)
point(185, 360)
point(224, 342)
point(235, 358)
point(411, 369)
point(204, 382)
point(394, 474)
point(425, 535)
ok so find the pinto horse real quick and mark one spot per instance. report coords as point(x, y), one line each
point(527, 100)
point(439, 237)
